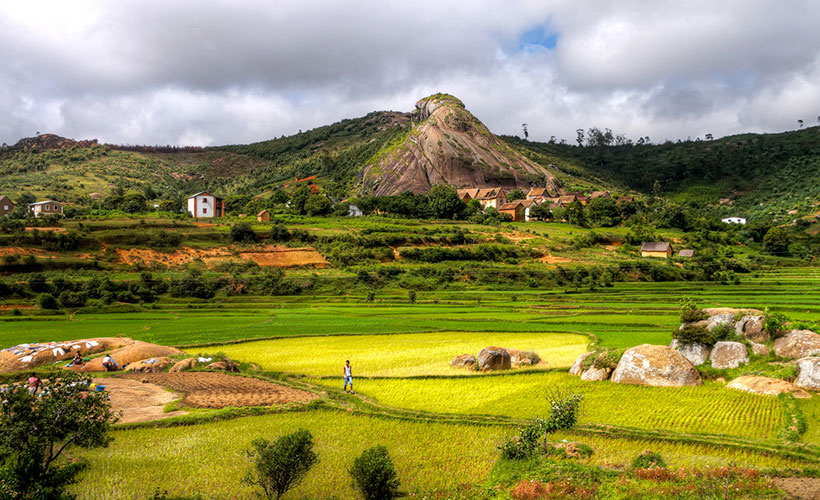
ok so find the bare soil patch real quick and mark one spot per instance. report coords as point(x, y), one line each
point(178, 257)
point(552, 259)
point(803, 488)
point(22, 251)
point(43, 229)
point(138, 402)
point(221, 390)
point(285, 257)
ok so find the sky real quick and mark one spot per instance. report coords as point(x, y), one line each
point(197, 72)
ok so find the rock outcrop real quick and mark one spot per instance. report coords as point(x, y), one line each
point(760, 349)
point(150, 365)
point(577, 367)
point(797, 344)
point(808, 373)
point(596, 374)
point(751, 328)
point(765, 385)
point(655, 365)
point(494, 358)
point(448, 145)
point(463, 361)
point(226, 365)
point(523, 358)
point(32, 355)
point(728, 355)
point(697, 354)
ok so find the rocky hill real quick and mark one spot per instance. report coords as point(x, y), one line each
point(446, 144)
point(43, 142)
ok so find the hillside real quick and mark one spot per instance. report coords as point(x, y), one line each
point(448, 145)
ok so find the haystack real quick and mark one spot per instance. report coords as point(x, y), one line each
point(138, 351)
point(28, 356)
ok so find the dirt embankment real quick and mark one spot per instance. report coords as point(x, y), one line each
point(268, 255)
point(220, 390)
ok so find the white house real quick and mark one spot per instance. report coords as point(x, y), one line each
point(48, 207)
point(204, 204)
point(734, 220)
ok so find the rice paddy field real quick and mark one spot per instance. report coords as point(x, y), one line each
point(424, 411)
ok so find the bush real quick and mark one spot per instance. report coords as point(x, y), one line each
point(648, 460)
point(374, 475)
point(773, 323)
point(280, 465)
point(73, 299)
point(278, 232)
point(690, 334)
point(689, 310)
point(242, 233)
point(47, 301)
point(722, 331)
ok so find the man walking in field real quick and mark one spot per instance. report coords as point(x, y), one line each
point(348, 377)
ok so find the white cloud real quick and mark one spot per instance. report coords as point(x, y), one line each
point(221, 72)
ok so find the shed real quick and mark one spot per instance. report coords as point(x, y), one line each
point(263, 216)
point(656, 249)
point(514, 209)
point(687, 253)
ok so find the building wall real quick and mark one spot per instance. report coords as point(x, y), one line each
point(202, 206)
point(664, 255)
point(6, 207)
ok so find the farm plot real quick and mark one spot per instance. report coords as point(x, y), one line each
point(190, 460)
point(710, 409)
point(398, 355)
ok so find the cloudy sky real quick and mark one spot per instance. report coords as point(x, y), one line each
point(209, 72)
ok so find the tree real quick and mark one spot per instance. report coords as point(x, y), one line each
point(282, 464)
point(374, 474)
point(317, 204)
point(799, 123)
point(776, 241)
point(516, 194)
point(526, 133)
point(575, 214)
point(540, 211)
point(242, 233)
point(299, 198)
point(603, 212)
point(580, 137)
point(709, 137)
point(36, 430)
point(444, 201)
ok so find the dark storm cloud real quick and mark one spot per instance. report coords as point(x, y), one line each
point(218, 72)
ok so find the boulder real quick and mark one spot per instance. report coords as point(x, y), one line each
point(728, 355)
point(130, 354)
point(463, 361)
point(697, 354)
point(751, 328)
point(185, 364)
point(523, 358)
point(715, 311)
point(656, 365)
point(576, 367)
point(808, 373)
point(28, 356)
point(150, 365)
point(765, 385)
point(760, 349)
point(494, 358)
point(797, 344)
point(595, 374)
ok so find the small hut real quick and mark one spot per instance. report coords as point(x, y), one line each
point(263, 216)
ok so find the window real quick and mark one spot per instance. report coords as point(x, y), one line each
point(5, 207)
point(204, 210)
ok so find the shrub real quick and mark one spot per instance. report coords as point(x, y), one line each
point(242, 233)
point(278, 232)
point(47, 301)
point(648, 460)
point(73, 299)
point(374, 474)
point(690, 334)
point(722, 331)
point(773, 323)
point(689, 310)
point(411, 296)
point(607, 359)
point(280, 465)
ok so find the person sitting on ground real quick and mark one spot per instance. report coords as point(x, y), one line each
point(109, 364)
point(78, 359)
point(348, 377)
point(33, 384)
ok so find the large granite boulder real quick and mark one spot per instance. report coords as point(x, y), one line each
point(697, 354)
point(797, 344)
point(808, 373)
point(596, 374)
point(463, 361)
point(150, 365)
point(766, 386)
point(523, 358)
point(494, 358)
point(656, 365)
point(728, 355)
point(760, 349)
point(751, 328)
point(226, 365)
point(577, 366)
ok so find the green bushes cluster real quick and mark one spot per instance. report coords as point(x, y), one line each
point(563, 414)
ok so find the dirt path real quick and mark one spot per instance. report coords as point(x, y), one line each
point(139, 402)
point(802, 488)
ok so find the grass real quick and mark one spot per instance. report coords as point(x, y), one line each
point(710, 409)
point(192, 460)
point(398, 355)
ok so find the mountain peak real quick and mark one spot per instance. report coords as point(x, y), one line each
point(446, 144)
